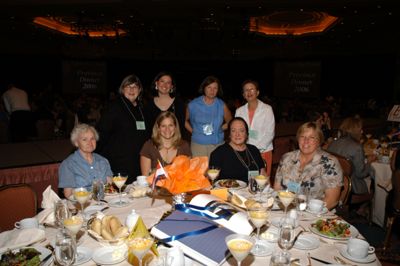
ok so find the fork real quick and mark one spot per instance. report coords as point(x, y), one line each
point(309, 259)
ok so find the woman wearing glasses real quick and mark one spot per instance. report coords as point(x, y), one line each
point(310, 167)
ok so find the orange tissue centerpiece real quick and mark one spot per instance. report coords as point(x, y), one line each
point(184, 175)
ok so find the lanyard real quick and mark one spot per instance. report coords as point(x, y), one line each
point(127, 107)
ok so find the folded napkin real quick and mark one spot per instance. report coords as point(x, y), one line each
point(49, 200)
point(152, 216)
point(17, 238)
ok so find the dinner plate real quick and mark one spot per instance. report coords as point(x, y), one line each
point(368, 259)
point(116, 203)
point(44, 253)
point(240, 182)
point(271, 235)
point(324, 210)
point(109, 255)
point(268, 248)
point(306, 242)
point(83, 255)
point(353, 233)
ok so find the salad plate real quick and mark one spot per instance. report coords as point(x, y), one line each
point(44, 252)
point(333, 229)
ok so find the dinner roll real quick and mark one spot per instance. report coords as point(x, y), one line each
point(115, 224)
point(121, 232)
point(96, 226)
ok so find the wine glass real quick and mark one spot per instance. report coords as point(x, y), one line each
point(262, 181)
point(213, 173)
point(82, 196)
point(65, 248)
point(61, 212)
point(239, 245)
point(280, 258)
point(98, 190)
point(139, 246)
point(74, 224)
point(119, 181)
point(258, 215)
point(286, 197)
point(302, 199)
point(286, 234)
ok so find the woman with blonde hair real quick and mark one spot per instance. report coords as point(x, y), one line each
point(165, 144)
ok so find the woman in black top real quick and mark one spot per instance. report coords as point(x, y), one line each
point(123, 129)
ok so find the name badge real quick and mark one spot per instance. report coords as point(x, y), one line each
point(253, 134)
point(140, 125)
point(293, 187)
point(208, 129)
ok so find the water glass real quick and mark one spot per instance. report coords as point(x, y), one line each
point(65, 248)
point(98, 190)
point(280, 258)
point(61, 212)
point(286, 234)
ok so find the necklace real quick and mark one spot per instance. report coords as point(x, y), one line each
point(167, 159)
point(249, 158)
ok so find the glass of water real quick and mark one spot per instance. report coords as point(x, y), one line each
point(65, 248)
point(280, 258)
point(98, 190)
point(61, 212)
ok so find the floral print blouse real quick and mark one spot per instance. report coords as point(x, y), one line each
point(321, 173)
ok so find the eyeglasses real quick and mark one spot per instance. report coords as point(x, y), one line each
point(132, 86)
point(310, 139)
point(249, 90)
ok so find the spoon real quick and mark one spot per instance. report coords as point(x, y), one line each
point(342, 261)
point(295, 262)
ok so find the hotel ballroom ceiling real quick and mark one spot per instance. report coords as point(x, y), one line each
point(207, 29)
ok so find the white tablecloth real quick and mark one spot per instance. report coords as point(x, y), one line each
point(383, 178)
point(151, 214)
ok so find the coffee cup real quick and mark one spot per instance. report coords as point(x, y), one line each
point(177, 256)
point(358, 248)
point(316, 205)
point(27, 223)
point(142, 180)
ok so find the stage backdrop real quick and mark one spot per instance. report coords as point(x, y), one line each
point(297, 79)
point(84, 77)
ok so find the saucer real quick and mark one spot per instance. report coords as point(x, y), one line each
point(83, 255)
point(324, 210)
point(368, 259)
point(116, 203)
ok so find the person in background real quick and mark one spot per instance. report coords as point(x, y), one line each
point(237, 159)
point(311, 167)
point(165, 144)
point(348, 145)
point(163, 89)
point(207, 116)
point(83, 166)
point(123, 129)
point(326, 125)
point(260, 118)
point(21, 123)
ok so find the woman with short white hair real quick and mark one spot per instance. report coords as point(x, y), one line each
point(83, 166)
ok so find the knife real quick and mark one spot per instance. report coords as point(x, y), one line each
point(322, 261)
point(43, 262)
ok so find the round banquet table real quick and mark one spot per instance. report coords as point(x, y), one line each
point(152, 210)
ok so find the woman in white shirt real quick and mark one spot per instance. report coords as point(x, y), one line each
point(260, 118)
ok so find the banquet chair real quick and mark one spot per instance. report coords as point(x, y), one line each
point(17, 201)
point(345, 192)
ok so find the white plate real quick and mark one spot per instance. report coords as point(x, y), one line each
point(84, 255)
point(324, 210)
point(306, 242)
point(269, 247)
point(368, 259)
point(353, 233)
point(136, 184)
point(276, 221)
point(44, 252)
point(115, 202)
point(92, 209)
point(109, 255)
point(271, 235)
point(240, 182)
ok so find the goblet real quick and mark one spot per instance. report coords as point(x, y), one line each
point(258, 215)
point(139, 246)
point(98, 190)
point(213, 173)
point(61, 212)
point(239, 245)
point(73, 226)
point(262, 181)
point(82, 196)
point(286, 234)
point(65, 249)
point(302, 199)
point(119, 181)
point(286, 197)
